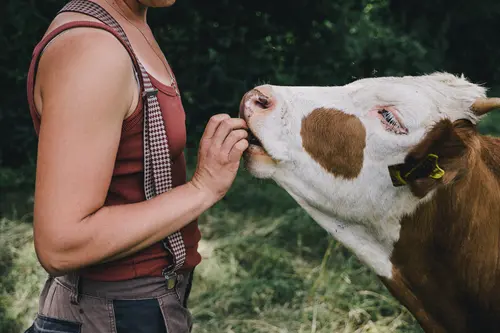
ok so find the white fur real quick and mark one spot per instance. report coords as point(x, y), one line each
point(364, 213)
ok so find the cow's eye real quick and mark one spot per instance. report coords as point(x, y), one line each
point(391, 122)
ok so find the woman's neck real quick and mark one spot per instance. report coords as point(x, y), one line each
point(131, 9)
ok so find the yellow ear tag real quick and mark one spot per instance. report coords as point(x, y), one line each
point(396, 174)
point(437, 172)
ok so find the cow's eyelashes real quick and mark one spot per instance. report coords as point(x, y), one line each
point(388, 117)
point(391, 122)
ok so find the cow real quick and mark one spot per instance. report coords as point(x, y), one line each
point(395, 169)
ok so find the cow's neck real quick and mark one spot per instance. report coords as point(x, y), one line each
point(446, 262)
point(371, 247)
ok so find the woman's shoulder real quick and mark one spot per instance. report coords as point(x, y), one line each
point(80, 55)
point(66, 18)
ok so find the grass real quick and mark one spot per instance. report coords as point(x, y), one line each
point(20, 276)
point(267, 267)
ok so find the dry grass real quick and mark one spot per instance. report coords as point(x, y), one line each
point(267, 268)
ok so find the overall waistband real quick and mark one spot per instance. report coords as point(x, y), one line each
point(140, 288)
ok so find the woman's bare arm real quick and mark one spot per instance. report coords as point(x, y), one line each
point(87, 86)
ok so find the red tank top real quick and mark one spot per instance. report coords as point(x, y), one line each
point(127, 179)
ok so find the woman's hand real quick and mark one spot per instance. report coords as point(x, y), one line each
point(221, 148)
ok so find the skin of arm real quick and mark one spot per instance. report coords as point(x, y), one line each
point(86, 88)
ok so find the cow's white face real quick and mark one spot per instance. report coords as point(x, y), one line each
point(330, 148)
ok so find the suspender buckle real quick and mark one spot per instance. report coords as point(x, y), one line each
point(150, 93)
point(171, 278)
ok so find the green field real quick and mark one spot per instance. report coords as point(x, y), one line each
point(267, 267)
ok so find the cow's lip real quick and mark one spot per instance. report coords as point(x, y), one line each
point(253, 139)
point(255, 144)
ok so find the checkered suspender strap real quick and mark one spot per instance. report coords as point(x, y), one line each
point(157, 163)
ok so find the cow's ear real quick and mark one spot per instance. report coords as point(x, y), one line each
point(442, 155)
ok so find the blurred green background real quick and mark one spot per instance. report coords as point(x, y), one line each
point(267, 266)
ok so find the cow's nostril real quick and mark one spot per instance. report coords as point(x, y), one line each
point(260, 99)
point(263, 102)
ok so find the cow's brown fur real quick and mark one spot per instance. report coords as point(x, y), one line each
point(446, 262)
point(335, 140)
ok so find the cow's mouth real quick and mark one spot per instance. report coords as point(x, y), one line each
point(255, 146)
point(253, 140)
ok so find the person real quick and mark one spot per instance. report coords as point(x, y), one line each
point(101, 240)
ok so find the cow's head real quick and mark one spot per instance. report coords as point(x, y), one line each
point(333, 149)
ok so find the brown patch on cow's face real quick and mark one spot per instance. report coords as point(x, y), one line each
point(335, 140)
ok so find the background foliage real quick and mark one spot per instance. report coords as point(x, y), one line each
point(220, 49)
